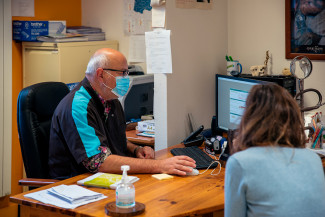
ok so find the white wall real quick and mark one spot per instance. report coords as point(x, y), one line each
point(199, 43)
point(108, 15)
point(255, 26)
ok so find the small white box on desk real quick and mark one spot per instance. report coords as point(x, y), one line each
point(148, 125)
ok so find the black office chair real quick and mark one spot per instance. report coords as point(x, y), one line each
point(35, 108)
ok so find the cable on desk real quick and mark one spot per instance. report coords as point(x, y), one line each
point(216, 161)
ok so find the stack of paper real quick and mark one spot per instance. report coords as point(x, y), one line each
point(147, 128)
point(92, 33)
point(83, 29)
point(66, 196)
point(148, 125)
point(57, 38)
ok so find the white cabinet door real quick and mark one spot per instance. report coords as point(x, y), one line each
point(65, 62)
point(40, 65)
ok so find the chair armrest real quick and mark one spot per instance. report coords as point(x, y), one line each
point(36, 182)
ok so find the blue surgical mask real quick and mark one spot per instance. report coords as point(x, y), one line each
point(122, 85)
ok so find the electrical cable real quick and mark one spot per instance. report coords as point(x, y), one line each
point(216, 161)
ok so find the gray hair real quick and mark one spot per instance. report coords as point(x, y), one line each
point(97, 61)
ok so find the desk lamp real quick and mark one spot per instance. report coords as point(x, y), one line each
point(306, 69)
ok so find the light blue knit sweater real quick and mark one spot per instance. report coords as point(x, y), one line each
point(274, 181)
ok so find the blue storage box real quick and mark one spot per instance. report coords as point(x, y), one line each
point(30, 30)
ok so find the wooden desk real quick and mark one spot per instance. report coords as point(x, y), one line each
point(131, 135)
point(180, 196)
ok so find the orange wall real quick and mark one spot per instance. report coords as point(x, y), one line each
point(69, 10)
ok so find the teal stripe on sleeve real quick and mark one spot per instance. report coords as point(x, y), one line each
point(79, 114)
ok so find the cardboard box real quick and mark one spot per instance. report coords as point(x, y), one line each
point(148, 125)
point(30, 30)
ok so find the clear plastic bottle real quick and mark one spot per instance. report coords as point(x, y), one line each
point(125, 191)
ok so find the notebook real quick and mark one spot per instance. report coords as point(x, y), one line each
point(105, 180)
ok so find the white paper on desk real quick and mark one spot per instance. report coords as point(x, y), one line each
point(318, 151)
point(137, 49)
point(74, 193)
point(158, 52)
point(22, 8)
point(49, 198)
point(158, 16)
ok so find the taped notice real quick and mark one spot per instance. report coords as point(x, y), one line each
point(198, 4)
point(158, 51)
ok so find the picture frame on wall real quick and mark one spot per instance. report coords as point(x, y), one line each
point(305, 29)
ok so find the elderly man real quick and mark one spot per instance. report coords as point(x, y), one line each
point(88, 126)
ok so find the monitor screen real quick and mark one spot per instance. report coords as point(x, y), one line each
point(139, 99)
point(231, 94)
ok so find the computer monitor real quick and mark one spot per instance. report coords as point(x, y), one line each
point(231, 94)
point(138, 100)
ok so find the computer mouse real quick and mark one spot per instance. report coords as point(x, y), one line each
point(194, 172)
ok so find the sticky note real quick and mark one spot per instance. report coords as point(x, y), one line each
point(162, 176)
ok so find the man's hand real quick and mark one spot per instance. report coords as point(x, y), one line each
point(145, 153)
point(178, 165)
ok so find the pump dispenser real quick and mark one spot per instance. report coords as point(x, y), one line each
point(125, 191)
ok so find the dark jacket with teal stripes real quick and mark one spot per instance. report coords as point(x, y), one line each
point(79, 127)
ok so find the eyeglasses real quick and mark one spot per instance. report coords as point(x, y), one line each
point(125, 72)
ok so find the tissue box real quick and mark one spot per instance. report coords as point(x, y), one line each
point(30, 30)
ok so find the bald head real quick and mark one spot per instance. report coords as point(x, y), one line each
point(102, 69)
point(106, 58)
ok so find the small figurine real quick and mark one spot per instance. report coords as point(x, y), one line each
point(286, 72)
point(260, 70)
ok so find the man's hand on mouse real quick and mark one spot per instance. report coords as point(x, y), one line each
point(178, 165)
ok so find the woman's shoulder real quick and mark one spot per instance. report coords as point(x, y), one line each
point(308, 154)
point(262, 153)
point(250, 153)
point(247, 157)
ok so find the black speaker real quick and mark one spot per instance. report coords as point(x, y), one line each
point(287, 82)
point(214, 126)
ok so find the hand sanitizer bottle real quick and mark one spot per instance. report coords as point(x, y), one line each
point(125, 191)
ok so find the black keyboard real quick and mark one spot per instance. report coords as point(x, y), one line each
point(203, 160)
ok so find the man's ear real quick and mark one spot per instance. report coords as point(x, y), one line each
point(100, 74)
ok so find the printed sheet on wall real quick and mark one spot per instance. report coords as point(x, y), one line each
point(137, 17)
point(198, 4)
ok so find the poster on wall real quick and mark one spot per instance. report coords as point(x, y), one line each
point(198, 4)
point(22, 8)
point(305, 29)
point(158, 52)
point(137, 49)
point(137, 17)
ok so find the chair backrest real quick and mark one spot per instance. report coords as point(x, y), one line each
point(35, 107)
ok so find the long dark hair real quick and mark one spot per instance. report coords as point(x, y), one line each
point(271, 118)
